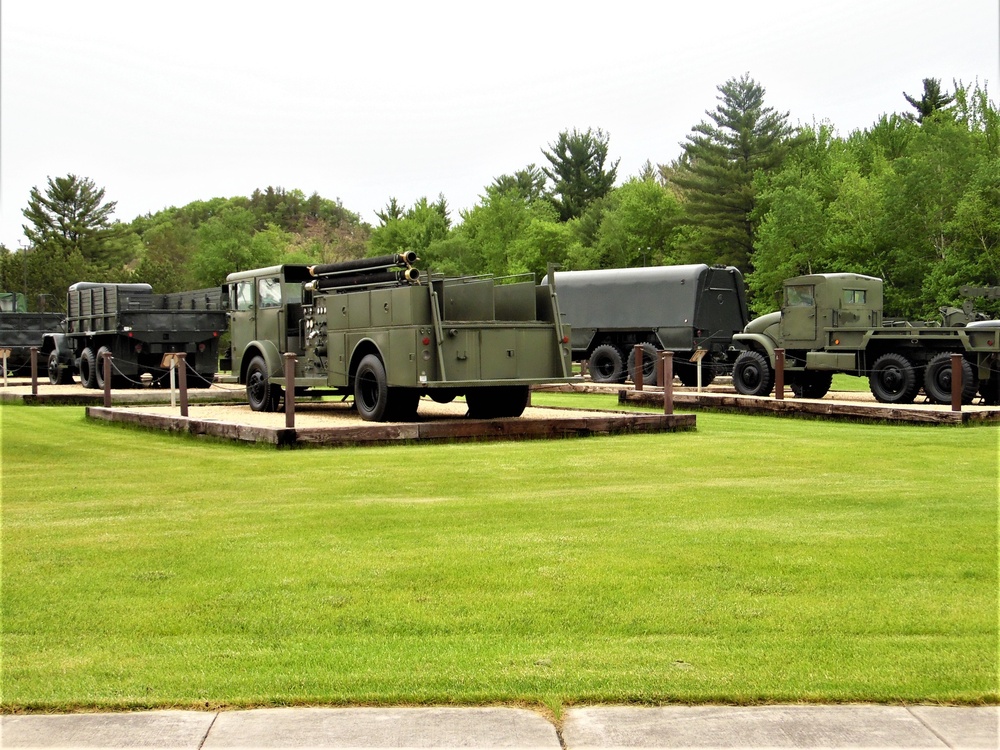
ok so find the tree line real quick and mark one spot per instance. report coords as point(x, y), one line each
point(913, 199)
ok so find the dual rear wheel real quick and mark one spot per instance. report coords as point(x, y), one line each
point(938, 380)
point(897, 379)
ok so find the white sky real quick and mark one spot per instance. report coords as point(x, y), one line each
point(164, 103)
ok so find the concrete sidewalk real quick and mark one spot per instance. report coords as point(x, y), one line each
point(602, 727)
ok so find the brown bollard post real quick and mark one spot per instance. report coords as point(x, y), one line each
point(182, 381)
point(667, 375)
point(289, 390)
point(34, 371)
point(956, 382)
point(637, 357)
point(779, 374)
point(583, 368)
point(106, 364)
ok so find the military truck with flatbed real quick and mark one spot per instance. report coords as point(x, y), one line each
point(137, 328)
point(682, 309)
point(21, 330)
point(375, 330)
point(834, 322)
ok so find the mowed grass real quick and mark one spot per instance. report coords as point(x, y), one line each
point(842, 382)
point(755, 559)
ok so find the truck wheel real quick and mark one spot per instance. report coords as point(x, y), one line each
point(752, 374)
point(497, 401)
point(894, 379)
point(606, 365)
point(99, 367)
point(812, 384)
point(88, 368)
point(687, 373)
point(442, 395)
point(371, 392)
point(261, 393)
point(649, 358)
point(990, 389)
point(937, 380)
point(403, 404)
point(198, 380)
point(58, 374)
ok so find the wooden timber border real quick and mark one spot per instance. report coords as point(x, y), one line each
point(825, 408)
point(19, 391)
point(561, 423)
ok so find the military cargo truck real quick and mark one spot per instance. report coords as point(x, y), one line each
point(374, 330)
point(137, 328)
point(833, 323)
point(20, 330)
point(663, 308)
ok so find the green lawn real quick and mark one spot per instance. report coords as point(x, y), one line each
point(754, 559)
point(842, 382)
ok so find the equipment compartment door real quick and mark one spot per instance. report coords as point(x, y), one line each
point(498, 354)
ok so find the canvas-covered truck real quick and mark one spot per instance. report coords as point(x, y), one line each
point(20, 330)
point(375, 330)
point(833, 322)
point(137, 327)
point(682, 309)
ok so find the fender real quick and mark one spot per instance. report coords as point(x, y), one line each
point(272, 357)
point(364, 346)
point(758, 341)
point(56, 342)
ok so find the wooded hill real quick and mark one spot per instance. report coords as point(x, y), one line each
point(913, 199)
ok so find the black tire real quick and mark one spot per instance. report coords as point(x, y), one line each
point(752, 374)
point(99, 374)
point(937, 380)
point(197, 380)
point(650, 357)
point(442, 395)
point(605, 365)
point(497, 401)
point(262, 394)
point(894, 379)
point(88, 368)
point(371, 390)
point(687, 372)
point(403, 404)
point(812, 384)
point(59, 374)
point(990, 389)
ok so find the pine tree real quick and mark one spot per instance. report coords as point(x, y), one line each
point(529, 183)
point(71, 217)
point(717, 170)
point(578, 171)
point(930, 101)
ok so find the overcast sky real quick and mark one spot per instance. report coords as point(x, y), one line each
point(164, 103)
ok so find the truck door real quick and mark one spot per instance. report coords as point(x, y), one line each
point(270, 318)
point(798, 316)
point(242, 323)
